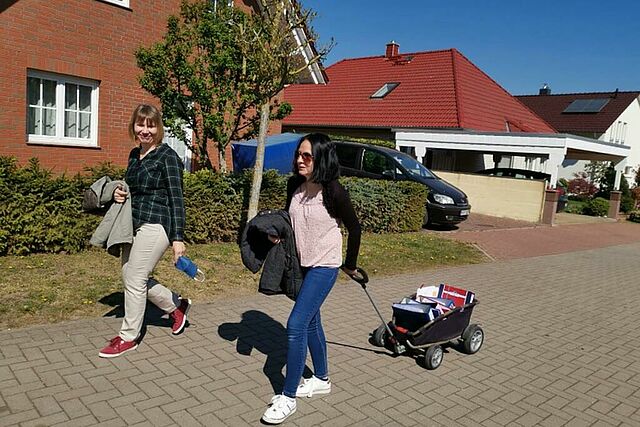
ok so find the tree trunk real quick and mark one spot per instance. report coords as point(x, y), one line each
point(257, 168)
point(222, 162)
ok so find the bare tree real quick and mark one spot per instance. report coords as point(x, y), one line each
point(273, 44)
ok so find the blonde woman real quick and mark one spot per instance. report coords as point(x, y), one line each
point(154, 177)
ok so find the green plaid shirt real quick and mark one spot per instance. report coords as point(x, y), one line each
point(155, 183)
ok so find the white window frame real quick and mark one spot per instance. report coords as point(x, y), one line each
point(59, 138)
point(123, 3)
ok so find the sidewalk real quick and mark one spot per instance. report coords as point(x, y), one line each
point(537, 240)
point(560, 349)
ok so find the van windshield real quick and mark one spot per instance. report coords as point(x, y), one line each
point(413, 167)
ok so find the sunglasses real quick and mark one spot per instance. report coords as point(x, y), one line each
point(306, 157)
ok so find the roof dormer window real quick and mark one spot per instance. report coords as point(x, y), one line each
point(385, 90)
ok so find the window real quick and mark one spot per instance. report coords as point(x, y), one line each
point(123, 3)
point(61, 109)
point(618, 131)
point(505, 162)
point(628, 170)
point(530, 163)
point(377, 163)
point(347, 155)
point(623, 133)
point(385, 90)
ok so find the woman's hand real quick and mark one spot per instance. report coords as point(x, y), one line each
point(274, 239)
point(119, 195)
point(179, 249)
point(349, 271)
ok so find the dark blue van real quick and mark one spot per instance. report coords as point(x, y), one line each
point(446, 204)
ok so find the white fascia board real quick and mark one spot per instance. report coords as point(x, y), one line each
point(596, 146)
point(504, 142)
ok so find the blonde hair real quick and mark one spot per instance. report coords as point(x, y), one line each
point(147, 112)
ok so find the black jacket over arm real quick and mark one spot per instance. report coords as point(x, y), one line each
point(281, 273)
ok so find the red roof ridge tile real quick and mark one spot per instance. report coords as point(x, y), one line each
point(456, 90)
point(583, 93)
point(402, 54)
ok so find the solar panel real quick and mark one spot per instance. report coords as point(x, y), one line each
point(586, 105)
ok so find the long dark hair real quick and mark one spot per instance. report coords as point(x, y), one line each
point(325, 165)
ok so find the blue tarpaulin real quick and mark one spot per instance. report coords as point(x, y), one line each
point(278, 152)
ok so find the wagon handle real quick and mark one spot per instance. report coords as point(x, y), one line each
point(361, 276)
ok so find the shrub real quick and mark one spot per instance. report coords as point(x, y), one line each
point(596, 207)
point(627, 204)
point(633, 216)
point(580, 188)
point(42, 212)
point(213, 207)
point(574, 207)
point(387, 206)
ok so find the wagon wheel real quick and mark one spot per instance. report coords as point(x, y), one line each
point(379, 336)
point(433, 357)
point(472, 339)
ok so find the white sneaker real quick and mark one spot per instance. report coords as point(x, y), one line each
point(313, 385)
point(281, 407)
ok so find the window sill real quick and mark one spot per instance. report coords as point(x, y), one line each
point(62, 143)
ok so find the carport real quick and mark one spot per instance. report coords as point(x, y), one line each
point(555, 148)
point(519, 199)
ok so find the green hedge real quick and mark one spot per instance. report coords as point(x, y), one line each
point(634, 216)
point(42, 212)
point(387, 206)
point(596, 207)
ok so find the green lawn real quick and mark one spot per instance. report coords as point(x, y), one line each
point(47, 288)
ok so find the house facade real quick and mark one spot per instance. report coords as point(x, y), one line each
point(442, 109)
point(69, 77)
point(373, 97)
point(610, 117)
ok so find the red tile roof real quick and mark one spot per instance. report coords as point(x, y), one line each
point(551, 107)
point(438, 89)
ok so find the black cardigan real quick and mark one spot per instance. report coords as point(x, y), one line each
point(344, 213)
point(281, 272)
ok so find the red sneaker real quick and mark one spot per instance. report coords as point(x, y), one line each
point(179, 316)
point(117, 346)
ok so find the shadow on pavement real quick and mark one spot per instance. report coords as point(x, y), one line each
point(260, 331)
point(152, 316)
point(438, 227)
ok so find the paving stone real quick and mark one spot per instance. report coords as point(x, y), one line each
point(541, 363)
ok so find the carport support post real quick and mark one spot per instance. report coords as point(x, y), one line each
point(614, 204)
point(550, 206)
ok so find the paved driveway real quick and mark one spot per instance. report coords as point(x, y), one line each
point(561, 349)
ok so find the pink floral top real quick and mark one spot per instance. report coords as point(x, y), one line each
point(318, 235)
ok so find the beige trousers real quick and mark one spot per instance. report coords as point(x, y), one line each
point(138, 261)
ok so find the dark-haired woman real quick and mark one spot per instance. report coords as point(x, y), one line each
point(318, 205)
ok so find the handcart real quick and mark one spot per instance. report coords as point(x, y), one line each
point(426, 339)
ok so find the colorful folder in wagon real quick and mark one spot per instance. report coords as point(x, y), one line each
point(459, 296)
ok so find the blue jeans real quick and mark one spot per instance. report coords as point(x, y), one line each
point(304, 327)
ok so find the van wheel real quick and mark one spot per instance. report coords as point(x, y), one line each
point(427, 219)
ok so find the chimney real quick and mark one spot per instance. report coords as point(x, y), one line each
point(545, 90)
point(392, 49)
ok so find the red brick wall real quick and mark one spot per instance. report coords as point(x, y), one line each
point(89, 39)
point(83, 38)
